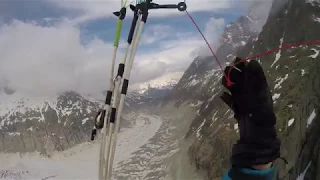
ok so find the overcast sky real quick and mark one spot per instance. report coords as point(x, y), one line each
point(50, 46)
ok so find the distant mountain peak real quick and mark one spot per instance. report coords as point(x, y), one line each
point(164, 82)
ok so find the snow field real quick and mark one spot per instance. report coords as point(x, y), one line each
point(81, 161)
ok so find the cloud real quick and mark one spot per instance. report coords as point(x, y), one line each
point(260, 10)
point(214, 27)
point(155, 33)
point(213, 30)
point(92, 10)
point(176, 53)
point(46, 60)
point(173, 56)
point(49, 60)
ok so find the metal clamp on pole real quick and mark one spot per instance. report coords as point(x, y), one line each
point(121, 14)
point(181, 6)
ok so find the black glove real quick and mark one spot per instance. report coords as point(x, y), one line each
point(251, 101)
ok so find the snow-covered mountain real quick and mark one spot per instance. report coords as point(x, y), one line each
point(162, 84)
point(36, 123)
point(29, 123)
point(166, 81)
point(293, 76)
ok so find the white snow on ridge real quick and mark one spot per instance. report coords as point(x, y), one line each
point(275, 96)
point(316, 19)
point(18, 103)
point(280, 81)
point(208, 76)
point(165, 81)
point(214, 118)
point(249, 18)
point(196, 104)
point(236, 126)
point(84, 121)
point(13, 133)
point(311, 118)
point(316, 53)
point(302, 175)
point(313, 2)
point(290, 122)
point(303, 72)
point(198, 135)
point(193, 82)
point(227, 111)
point(30, 129)
point(278, 55)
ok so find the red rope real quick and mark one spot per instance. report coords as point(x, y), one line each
point(204, 38)
point(286, 46)
point(227, 76)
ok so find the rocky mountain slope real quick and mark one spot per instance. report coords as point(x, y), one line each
point(197, 78)
point(37, 123)
point(293, 75)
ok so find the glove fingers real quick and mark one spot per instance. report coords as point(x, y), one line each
point(260, 90)
point(255, 76)
point(235, 72)
point(224, 80)
point(227, 98)
point(236, 76)
point(239, 65)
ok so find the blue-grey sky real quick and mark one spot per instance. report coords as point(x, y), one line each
point(68, 43)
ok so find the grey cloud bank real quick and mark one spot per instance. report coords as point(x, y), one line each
point(49, 60)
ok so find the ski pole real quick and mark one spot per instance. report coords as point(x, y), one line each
point(116, 117)
point(118, 79)
point(143, 8)
point(104, 115)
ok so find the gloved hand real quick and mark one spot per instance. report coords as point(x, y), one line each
point(251, 101)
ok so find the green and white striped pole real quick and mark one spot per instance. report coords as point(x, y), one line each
point(102, 161)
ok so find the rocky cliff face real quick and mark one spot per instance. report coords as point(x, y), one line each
point(200, 77)
point(44, 124)
point(293, 76)
point(51, 123)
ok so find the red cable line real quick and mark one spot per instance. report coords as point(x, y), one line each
point(204, 38)
point(229, 83)
point(286, 46)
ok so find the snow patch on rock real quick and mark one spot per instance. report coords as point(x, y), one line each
point(316, 54)
point(198, 135)
point(278, 55)
point(311, 118)
point(280, 81)
point(275, 96)
point(290, 122)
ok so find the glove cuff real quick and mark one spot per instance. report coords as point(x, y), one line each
point(247, 155)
